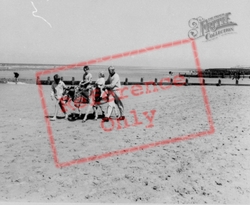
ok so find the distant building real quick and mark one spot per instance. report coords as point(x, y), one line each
point(228, 71)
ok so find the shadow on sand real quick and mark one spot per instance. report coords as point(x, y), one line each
point(75, 116)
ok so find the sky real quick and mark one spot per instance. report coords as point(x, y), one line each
point(73, 31)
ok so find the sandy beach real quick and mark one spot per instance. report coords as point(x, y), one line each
point(185, 139)
point(208, 169)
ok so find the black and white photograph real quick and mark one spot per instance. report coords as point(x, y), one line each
point(125, 101)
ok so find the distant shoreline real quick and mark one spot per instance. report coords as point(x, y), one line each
point(38, 67)
point(27, 81)
point(29, 66)
point(132, 73)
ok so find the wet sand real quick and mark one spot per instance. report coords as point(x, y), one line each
point(208, 169)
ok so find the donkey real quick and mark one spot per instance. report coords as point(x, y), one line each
point(90, 96)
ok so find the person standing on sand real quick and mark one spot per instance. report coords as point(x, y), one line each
point(113, 85)
point(16, 75)
point(57, 90)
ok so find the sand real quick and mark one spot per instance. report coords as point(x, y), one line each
point(213, 168)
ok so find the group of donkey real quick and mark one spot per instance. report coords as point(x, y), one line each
point(90, 96)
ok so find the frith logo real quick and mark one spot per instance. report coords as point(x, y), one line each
point(211, 28)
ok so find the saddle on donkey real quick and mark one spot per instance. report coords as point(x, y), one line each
point(85, 93)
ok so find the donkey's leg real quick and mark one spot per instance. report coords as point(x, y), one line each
point(99, 105)
point(96, 113)
point(94, 109)
point(79, 111)
point(87, 112)
point(115, 110)
point(103, 112)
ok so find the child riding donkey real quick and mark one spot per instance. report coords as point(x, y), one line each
point(86, 93)
point(85, 84)
point(100, 94)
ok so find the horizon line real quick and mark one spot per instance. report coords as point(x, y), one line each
point(56, 64)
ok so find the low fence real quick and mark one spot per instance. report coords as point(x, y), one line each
point(171, 81)
point(126, 82)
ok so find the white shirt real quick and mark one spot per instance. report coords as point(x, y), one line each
point(86, 78)
point(113, 82)
point(100, 82)
point(57, 89)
